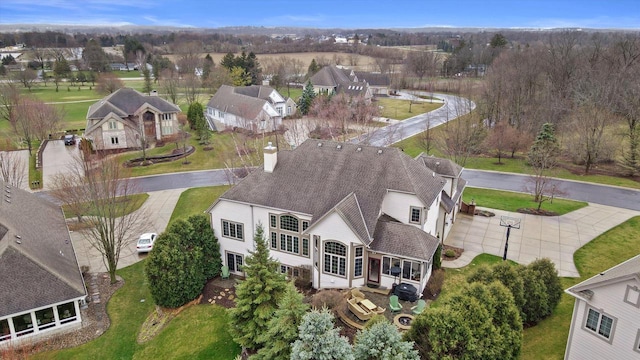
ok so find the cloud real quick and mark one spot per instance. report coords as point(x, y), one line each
point(600, 22)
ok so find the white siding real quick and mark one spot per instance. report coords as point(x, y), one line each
point(398, 205)
point(585, 344)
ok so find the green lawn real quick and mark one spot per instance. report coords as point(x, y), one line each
point(138, 200)
point(399, 109)
point(512, 201)
point(196, 200)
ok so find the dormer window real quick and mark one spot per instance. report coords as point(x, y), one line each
point(415, 217)
point(113, 125)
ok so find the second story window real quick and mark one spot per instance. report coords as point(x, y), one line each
point(416, 215)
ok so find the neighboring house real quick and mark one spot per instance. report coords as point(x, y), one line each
point(343, 213)
point(123, 66)
point(606, 314)
point(337, 80)
point(126, 117)
point(257, 107)
point(378, 83)
point(41, 287)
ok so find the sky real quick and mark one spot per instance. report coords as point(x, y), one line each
point(348, 14)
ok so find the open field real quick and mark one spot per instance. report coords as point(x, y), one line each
point(399, 109)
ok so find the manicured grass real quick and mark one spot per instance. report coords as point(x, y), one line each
point(198, 332)
point(512, 201)
point(548, 339)
point(196, 200)
point(137, 199)
point(399, 109)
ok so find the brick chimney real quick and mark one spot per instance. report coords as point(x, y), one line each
point(270, 158)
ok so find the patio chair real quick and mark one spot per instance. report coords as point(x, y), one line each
point(419, 308)
point(225, 272)
point(394, 304)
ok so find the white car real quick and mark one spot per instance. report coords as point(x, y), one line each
point(145, 243)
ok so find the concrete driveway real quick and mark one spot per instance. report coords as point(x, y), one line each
point(57, 158)
point(553, 237)
point(159, 207)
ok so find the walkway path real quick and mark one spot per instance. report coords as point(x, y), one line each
point(553, 237)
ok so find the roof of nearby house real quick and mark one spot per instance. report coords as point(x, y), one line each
point(127, 101)
point(627, 270)
point(319, 177)
point(339, 78)
point(38, 268)
point(246, 101)
point(441, 166)
point(373, 79)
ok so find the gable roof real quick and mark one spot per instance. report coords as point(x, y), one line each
point(627, 270)
point(320, 176)
point(394, 237)
point(441, 166)
point(240, 101)
point(373, 79)
point(340, 79)
point(38, 264)
point(126, 101)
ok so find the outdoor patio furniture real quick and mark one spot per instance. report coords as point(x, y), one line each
point(225, 272)
point(359, 311)
point(406, 292)
point(355, 293)
point(394, 304)
point(419, 308)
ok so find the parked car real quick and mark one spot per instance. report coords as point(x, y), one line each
point(69, 140)
point(145, 242)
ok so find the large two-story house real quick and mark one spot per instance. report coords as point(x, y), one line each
point(606, 314)
point(41, 287)
point(339, 80)
point(127, 118)
point(258, 108)
point(347, 214)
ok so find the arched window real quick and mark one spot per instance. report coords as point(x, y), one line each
point(335, 258)
point(290, 223)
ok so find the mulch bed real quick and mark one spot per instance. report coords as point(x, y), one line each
point(456, 250)
point(215, 294)
point(541, 212)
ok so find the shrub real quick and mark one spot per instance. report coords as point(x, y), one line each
point(435, 282)
point(449, 253)
point(437, 258)
point(330, 299)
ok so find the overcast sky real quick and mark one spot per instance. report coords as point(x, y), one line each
point(617, 14)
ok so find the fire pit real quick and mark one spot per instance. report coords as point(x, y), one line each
point(403, 321)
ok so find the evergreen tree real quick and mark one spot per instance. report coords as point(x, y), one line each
point(147, 80)
point(319, 340)
point(228, 61)
point(207, 65)
point(283, 326)
point(313, 68)
point(203, 236)
point(195, 116)
point(382, 341)
point(257, 295)
point(308, 95)
point(544, 151)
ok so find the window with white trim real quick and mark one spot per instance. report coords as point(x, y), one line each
point(274, 240)
point(636, 346)
point(289, 270)
point(415, 216)
point(114, 140)
point(335, 258)
point(234, 262)
point(358, 261)
point(286, 235)
point(599, 324)
point(411, 270)
point(389, 262)
point(232, 230)
point(113, 125)
point(5, 332)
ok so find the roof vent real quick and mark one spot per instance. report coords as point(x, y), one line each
point(18, 242)
point(319, 144)
point(18, 237)
point(359, 149)
point(8, 191)
point(339, 147)
point(379, 151)
point(7, 200)
point(433, 174)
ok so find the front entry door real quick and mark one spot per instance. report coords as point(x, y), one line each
point(374, 271)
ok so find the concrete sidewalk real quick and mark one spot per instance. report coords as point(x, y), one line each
point(553, 237)
point(159, 207)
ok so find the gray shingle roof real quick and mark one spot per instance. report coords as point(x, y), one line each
point(627, 269)
point(373, 79)
point(444, 167)
point(125, 102)
point(234, 100)
point(396, 238)
point(41, 269)
point(256, 91)
point(332, 76)
point(447, 203)
point(318, 175)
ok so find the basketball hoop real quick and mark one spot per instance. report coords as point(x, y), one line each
point(510, 223)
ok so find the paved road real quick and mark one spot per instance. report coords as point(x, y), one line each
point(593, 193)
point(454, 106)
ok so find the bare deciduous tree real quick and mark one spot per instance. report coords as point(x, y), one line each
point(13, 170)
point(108, 83)
point(103, 183)
point(35, 120)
